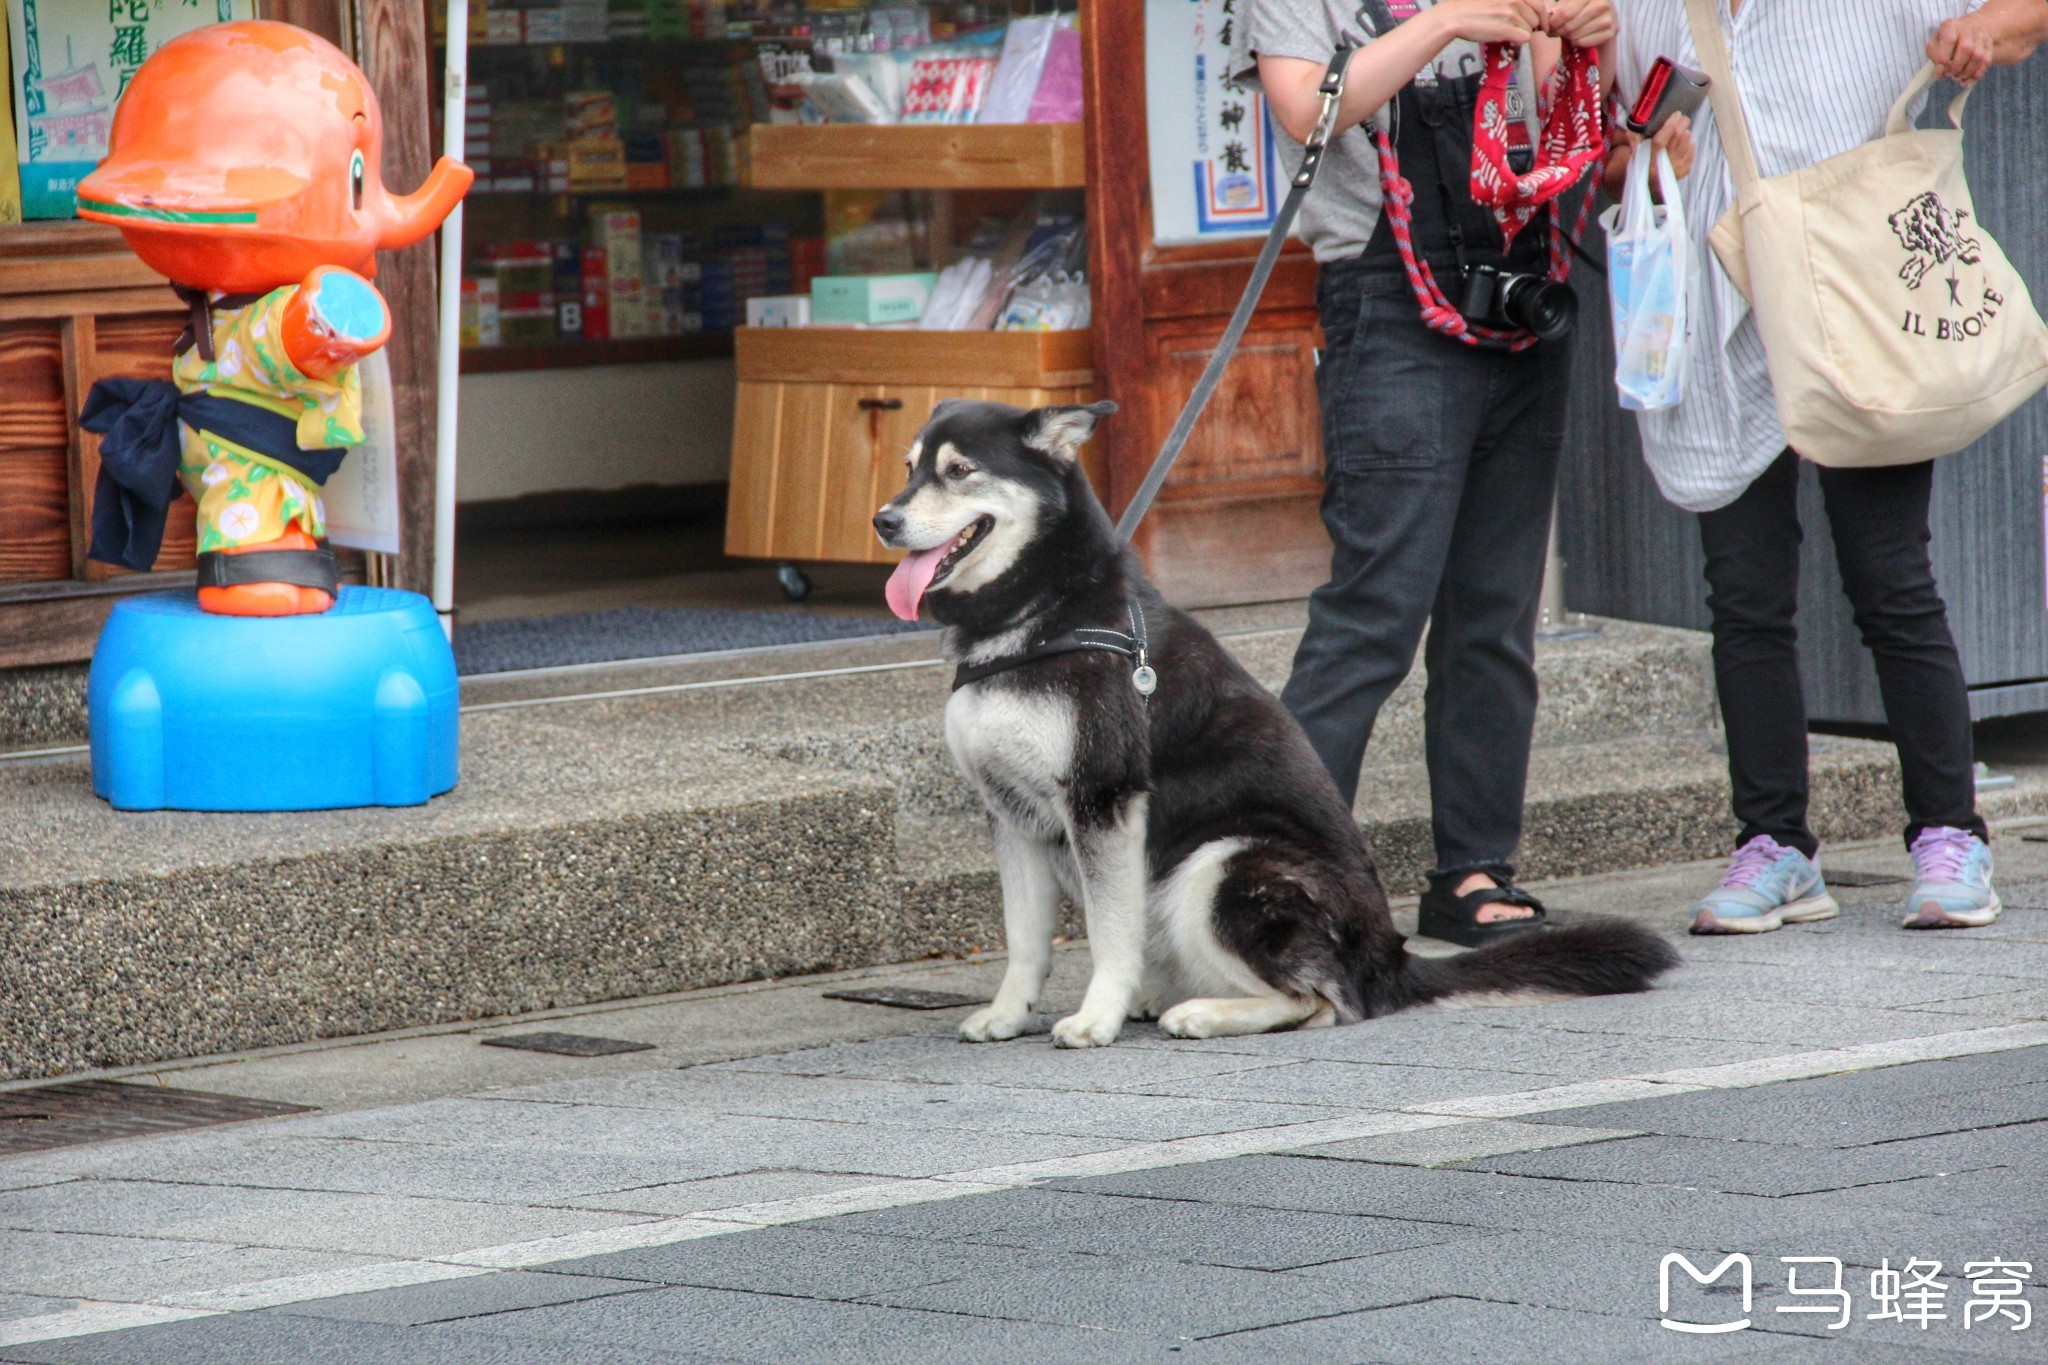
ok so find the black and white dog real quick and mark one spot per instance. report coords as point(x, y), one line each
point(1129, 761)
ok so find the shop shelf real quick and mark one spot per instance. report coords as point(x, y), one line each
point(824, 415)
point(916, 156)
point(955, 360)
point(563, 355)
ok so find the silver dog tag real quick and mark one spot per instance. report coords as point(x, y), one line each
point(1144, 679)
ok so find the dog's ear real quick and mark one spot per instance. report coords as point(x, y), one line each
point(1061, 431)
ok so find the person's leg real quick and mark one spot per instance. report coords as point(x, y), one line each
point(1752, 548)
point(1879, 518)
point(1392, 472)
point(1752, 551)
point(1480, 706)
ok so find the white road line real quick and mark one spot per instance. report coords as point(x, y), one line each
point(322, 1284)
point(569, 1246)
point(87, 1318)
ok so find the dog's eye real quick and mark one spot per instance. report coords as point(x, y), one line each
point(959, 471)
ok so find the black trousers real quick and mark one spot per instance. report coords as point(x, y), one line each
point(1879, 520)
point(1440, 466)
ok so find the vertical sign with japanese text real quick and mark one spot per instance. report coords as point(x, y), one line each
point(72, 60)
point(1213, 170)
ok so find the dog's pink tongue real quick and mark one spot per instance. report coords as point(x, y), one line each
point(906, 586)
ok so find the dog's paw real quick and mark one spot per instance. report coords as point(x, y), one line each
point(993, 1024)
point(1086, 1030)
point(1192, 1019)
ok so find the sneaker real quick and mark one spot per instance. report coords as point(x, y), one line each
point(1767, 887)
point(1954, 891)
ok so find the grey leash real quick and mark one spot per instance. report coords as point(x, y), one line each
point(1332, 91)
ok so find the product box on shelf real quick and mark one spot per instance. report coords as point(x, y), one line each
point(779, 310)
point(617, 234)
point(480, 310)
point(597, 305)
point(869, 299)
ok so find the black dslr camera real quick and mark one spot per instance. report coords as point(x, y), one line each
point(1511, 301)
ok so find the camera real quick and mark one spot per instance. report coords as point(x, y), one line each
point(1512, 301)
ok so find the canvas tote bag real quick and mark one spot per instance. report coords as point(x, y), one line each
point(1894, 327)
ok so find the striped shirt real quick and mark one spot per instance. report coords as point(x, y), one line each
point(1816, 77)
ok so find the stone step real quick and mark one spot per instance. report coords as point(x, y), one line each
point(666, 825)
point(1600, 806)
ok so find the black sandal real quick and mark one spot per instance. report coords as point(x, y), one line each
point(1455, 919)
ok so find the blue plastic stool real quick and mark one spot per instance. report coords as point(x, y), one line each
point(192, 711)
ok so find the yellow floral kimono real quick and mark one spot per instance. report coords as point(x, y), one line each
point(246, 498)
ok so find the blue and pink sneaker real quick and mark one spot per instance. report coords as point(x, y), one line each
point(1954, 888)
point(1767, 887)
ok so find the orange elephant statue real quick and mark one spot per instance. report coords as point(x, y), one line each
point(244, 165)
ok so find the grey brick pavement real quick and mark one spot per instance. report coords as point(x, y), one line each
point(1301, 1196)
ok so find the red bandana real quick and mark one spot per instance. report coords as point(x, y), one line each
point(1573, 138)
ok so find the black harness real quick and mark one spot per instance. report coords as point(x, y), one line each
point(1132, 646)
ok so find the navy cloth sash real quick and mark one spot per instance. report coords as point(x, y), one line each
point(137, 420)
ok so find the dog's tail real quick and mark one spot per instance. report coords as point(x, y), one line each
point(1593, 957)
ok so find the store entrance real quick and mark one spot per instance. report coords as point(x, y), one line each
point(720, 262)
point(590, 579)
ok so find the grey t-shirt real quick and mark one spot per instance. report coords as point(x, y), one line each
point(1339, 215)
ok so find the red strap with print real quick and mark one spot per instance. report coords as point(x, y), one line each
point(1573, 139)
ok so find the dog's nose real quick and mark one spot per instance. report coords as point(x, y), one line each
point(888, 523)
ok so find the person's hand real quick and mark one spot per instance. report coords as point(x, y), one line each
point(1674, 139)
point(1582, 23)
point(1491, 21)
point(1961, 49)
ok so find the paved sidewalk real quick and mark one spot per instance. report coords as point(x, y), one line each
point(1492, 1184)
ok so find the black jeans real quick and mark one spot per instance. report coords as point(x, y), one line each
point(1441, 463)
point(1879, 520)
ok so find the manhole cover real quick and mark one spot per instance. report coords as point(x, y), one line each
point(568, 1044)
point(1849, 876)
point(904, 998)
point(47, 1116)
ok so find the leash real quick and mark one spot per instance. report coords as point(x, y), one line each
point(1568, 143)
point(1537, 190)
point(1332, 91)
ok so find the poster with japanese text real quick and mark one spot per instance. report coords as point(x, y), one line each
point(1213, 171)
point(72, 60)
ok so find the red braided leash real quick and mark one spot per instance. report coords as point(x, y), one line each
point(1573, 139)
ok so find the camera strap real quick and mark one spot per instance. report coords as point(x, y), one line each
point(1572, 142)
point(1332, 91)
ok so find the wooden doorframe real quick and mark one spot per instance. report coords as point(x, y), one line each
point(1146, 299)
point(393, 52)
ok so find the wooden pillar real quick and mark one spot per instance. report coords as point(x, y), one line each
point(393, 52)
point(1113, 126)
point(1237, 521)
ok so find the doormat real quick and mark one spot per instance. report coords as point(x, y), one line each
point(47, 1116)
point(568, 1044)
point(592, 637)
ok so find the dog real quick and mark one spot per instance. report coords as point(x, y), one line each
point(1127, 760)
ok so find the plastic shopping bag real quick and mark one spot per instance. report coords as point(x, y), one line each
point(1649, 270)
